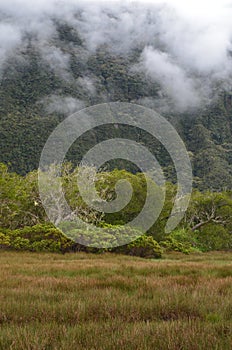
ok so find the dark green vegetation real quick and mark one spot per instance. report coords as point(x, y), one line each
point(24, 225)
point(103, 302)
point(33, 98)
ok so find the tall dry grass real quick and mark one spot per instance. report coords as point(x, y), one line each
point(105, 302)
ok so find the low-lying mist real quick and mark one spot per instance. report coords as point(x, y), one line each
point(187, 53)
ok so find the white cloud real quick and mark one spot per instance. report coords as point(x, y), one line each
point(172, 78)
point(186, 44)
point(61, 104)
point(10, 38)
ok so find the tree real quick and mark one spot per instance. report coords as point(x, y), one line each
point(209, 208)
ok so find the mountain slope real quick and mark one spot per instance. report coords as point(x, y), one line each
point(45, 80)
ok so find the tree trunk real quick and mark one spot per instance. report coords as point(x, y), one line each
point(197, 226)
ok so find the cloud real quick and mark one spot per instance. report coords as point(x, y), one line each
point(63, 105)
point(185, 49)
point(87, 84)
point(10, 38)
point(173, 79)
point(58, 61)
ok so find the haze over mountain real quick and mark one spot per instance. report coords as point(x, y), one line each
point(57, 57)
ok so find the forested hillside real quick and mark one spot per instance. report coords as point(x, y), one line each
point(54, 71)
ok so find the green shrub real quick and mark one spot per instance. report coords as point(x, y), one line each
point(36, 238)
point(106, 237)
point(19, 243)
point(144, 246)
point(171, 244)
point(47, 238)
point(112, 238)
point(213, 237)
point(4, 241)
point(181, 240)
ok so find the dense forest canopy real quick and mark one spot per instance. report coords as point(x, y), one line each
point(55, 60)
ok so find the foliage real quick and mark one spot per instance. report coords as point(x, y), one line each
point(47, 238)
point(207, 224)
point(144, 246)
point(96, 237)
point(37, 238)
point(19, 204)
point(4, 241)
point(173, 245)
point(181, 240)
point(210, 208)
point(112, 238)
point(213, 237)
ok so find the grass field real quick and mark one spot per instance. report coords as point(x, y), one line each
point(96, 302)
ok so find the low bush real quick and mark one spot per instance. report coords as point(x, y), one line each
point(36, 238)
point(213, 237)
point(4, 241)
point(105, 237)
point(183, 241)
point(144, 246)
point(171, 244)
point(47, 238)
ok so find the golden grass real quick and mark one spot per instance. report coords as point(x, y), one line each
point(104, 302)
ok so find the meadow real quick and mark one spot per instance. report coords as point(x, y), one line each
point(106, 302)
